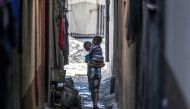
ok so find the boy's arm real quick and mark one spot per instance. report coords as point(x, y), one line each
point(87, 58)
point(91, 50)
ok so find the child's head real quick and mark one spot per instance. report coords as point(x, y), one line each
point(97, 40)
point(87, 45)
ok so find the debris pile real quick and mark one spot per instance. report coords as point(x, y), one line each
point(62, 94)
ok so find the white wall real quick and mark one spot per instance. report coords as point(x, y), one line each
point(111, 35)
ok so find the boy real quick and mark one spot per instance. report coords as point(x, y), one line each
point(96, 56)
point(93, 82)
point(87, 46)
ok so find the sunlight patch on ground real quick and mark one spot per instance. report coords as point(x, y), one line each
point(78, 69)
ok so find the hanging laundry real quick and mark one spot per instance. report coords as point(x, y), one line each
point(61, 32)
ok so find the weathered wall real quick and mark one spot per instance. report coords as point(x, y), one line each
point(111, 37)
point(32, 77)
point(54, 54)
point(150, 60)
point(25, 77)
point(177, 53)
point(136, 55)
point(13, 81)
point(117, 54)
point(124, 58)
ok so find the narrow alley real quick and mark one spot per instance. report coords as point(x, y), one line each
point(82, 85)
point(94, 54)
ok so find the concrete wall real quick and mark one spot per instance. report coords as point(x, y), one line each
point(111, 37)
point(13, 81)
point(161, 50)
point(25, 77)
point(123, 57)
point(177, 54)
point(32, 77)
point(117, 54)
point(54, 55)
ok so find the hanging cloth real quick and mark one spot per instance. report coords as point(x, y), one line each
point(61, 32)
